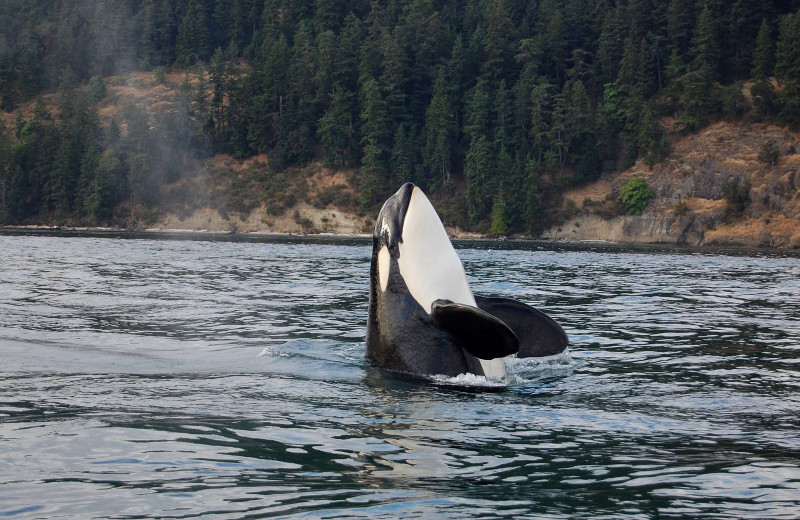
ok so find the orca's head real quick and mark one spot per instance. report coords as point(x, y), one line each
point(409, 232)
point(389, 226)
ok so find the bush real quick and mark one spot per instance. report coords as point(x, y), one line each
point(97, 88)
point(160, 75)
point(499, 224)
point(737, 194)
point(635, 195)
point(769, 153)
point(763, 98)
point(734, 104)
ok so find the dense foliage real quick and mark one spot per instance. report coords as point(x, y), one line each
point(635, 195)
point(500, 102)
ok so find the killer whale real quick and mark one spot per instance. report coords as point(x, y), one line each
point(423, 318)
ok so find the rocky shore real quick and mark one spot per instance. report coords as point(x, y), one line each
point(691, 189)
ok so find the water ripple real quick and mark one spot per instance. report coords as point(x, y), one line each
point(153, 378)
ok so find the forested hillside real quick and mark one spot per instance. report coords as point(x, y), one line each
point(495, 106)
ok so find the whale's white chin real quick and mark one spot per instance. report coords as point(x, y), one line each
point(430, 266)
point(428, 263)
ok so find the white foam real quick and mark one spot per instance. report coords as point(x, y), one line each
point(272, 352)
point(522, 370)
point(468, 380)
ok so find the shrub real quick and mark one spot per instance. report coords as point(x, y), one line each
point(499, 224)
point(763, 96)
point(635, 195)
point(97, 88)
point(734, 104)
point(737, 194)
point(769, 153)
point(160, 75)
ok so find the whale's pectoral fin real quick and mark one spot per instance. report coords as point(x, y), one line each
point(479, 333)
point(538, 333)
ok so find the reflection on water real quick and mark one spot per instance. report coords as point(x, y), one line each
point(156, 378)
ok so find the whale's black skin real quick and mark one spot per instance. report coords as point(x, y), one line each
point(538, 334)
point(449, 338)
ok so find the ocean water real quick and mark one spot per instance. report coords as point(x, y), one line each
point(170, 377)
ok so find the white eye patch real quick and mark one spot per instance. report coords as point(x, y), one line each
point(383, 267)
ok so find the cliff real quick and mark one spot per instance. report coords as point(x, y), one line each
point(692, 189)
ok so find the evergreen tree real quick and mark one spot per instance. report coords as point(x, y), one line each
point(220, 74)
point(325, 64)
point(478, 172)
point(651, 141)
point(476, 123)
point(396, 77)
point(499, 225)
point(705, 50)
point(500, 33)
point(787, 69)
point(697, 100)
point(199, 113)
point(6, 169)
point(630, 81)
point(336, 130)
point(193, 38)
point(764, 54)
point(7, 77)
point(541, 117)
point(681, 20)
point(553, 39)
point(531, 200)
point(573, 127)
point(503, 115)
point(329, 15)
point(375, 144)
point(158, 33)
point(32, 158)
point(138, 148)
point(440, 131)
point(30, 70)
point(610, 45)
point(404, 159)
point(738, 38)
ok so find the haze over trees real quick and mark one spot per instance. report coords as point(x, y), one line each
point(496, 105)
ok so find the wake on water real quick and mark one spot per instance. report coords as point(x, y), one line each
point(519, 371)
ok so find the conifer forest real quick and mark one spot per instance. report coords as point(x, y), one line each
point(494, 105)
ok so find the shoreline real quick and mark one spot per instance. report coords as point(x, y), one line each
point(174, 233)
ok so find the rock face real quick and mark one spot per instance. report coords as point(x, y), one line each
point(694, 192)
